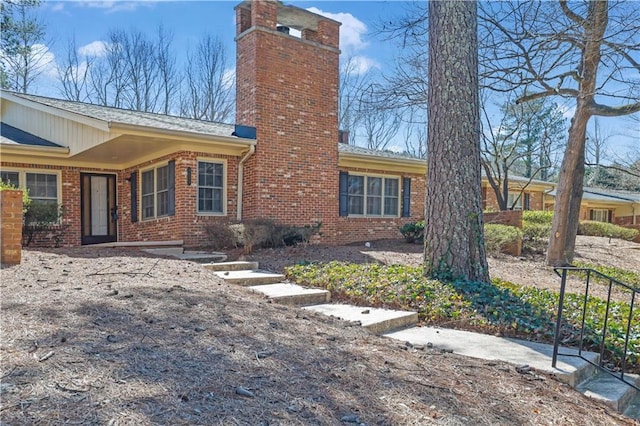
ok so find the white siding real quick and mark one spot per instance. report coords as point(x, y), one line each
point(77, 137)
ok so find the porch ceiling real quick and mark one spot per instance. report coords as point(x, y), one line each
point(129, 150)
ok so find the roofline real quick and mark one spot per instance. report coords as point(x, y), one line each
point(131, 129)
point(418, 165)
point(53, 151)
point(60, 112)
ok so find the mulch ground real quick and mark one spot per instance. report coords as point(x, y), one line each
point(119, 337)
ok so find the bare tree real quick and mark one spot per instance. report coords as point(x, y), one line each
point(353, 83)
point(23, 54)
point(523, 142)
point(207, 94)
point(168, 80)
point(414, 131)
point(454, 246)
point(585, 52)
point(73, 74)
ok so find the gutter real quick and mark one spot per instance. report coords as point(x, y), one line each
point(244, 159)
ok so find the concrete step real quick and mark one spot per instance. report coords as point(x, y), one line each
point(249, 278)
point(633, 410)
point(376, 320)
point(293, 294)
point(570, 370)
point(611, 391)
point(232, 266)
point(202, 256)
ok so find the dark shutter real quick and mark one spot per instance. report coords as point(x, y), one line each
point(344, 194)
point(610, 216)
point(527, 201)
point(172, 187)
point(591, 214)
point(133, 181)
point(406, 197)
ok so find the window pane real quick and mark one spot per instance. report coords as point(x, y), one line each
point(374, 186)
point(147, 182)
point(374, 206)
point(356, 204)
point(391, 187)
point(162, 178)
point(356, 185)
point(42, 186)
point(12, 178)
point(163, 203)
point(210, 187)
point(391, 206)
point(147, 206)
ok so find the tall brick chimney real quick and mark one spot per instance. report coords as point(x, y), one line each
point(287, 88)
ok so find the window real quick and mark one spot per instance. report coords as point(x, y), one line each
point(210, 187)
point(42, 187)
point(514, 197)
point(156, 197)
point(600, 215)
point(372, 195)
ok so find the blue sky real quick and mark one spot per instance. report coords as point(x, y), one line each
point(90, 21)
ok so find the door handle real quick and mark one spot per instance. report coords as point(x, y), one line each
point(114, 214)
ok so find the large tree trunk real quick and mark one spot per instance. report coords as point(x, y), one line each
point(566, 213)
point(454, 246)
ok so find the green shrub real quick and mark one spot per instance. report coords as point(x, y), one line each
point(497, 237)
point(26, 200)
point(603, 229)
point(537, 216)
point(40, 217)
point(413, 231)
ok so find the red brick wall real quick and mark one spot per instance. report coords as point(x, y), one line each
point(11, 228)
point(505, 217)
point(186, 225)
point(490, 202)
point(287, 88)
point(357, 229)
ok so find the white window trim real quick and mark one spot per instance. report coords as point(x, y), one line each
point(599, 211)
point(520, 204)
point(153, 168)
point(384, 177)
point(22, 177)
point(222, 161)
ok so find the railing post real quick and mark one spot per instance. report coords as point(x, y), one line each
point(556, 340)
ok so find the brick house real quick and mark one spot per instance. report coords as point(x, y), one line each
point(606, 205)
point(129, 176)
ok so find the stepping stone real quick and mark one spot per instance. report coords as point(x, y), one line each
point(633, 410)
point(202, 257)
point(249, 278)
point(232, 266)
point(293, 294)
point(375, 320)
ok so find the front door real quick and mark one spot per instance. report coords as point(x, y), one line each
point(99, 210)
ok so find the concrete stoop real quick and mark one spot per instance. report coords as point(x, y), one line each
point(400, 325)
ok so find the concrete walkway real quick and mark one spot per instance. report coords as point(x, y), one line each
point(402, 326)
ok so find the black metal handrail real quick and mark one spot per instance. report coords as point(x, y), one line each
point(562, 272)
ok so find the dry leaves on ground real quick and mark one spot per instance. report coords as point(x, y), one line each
point(107, 336)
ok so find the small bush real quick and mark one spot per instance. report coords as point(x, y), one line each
point(603, 229)
point(220, 236)
point(40, 217)
point(26, 200)
point(267, 233)
point(536, 228)
point(537, 216)
point(413, 231)
point(498, 237)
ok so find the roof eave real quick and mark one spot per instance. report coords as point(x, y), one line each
point(140, 130)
